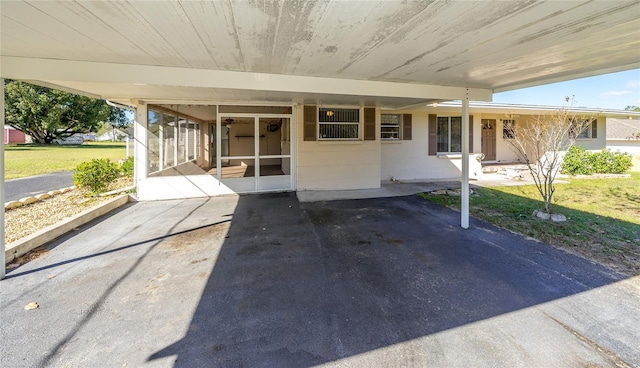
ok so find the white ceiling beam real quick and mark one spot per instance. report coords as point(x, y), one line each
point(52, 69)
point(62, 88)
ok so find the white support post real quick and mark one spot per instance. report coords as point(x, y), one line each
point(2, 258)
point(186, 140)
point(218, 139)
point(140, 150)
point(161, 150)
point(464, 190)
point(176, 142)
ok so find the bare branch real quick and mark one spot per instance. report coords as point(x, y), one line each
point(541, 144)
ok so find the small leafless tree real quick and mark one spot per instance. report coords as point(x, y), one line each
point(541, 145)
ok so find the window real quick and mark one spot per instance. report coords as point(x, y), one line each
point(172, 140)
point(339, 124)
point(390, 126)
point(508, 129)
point(449, 134)
point(585, 133)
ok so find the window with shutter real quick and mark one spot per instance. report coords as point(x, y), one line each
point(390, 125)
point(433, 134)
point(407, 127)
point(395, 127)
point(445, 134)
point(310, 123)
point(369, 124)
point(339, 124)
point(589, 129)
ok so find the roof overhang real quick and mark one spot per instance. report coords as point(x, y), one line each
point(505, 109)
point(122, 82)
point(386, 53)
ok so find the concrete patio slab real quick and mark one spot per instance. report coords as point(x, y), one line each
point(263, 280)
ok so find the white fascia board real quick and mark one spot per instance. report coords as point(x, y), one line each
point(501, 108)
point(52, 69)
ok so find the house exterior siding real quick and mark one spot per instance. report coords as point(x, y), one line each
point(410, 159)
point(323, 164)
point(337, 165)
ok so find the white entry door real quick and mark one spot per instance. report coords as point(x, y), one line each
point(259, 153)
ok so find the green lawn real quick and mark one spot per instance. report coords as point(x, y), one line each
point(30, 159)
point(603, 217)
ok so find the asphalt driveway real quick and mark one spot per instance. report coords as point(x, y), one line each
point(16, 189)
point(264, 281)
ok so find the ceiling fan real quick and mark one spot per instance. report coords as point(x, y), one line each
point(230, 121)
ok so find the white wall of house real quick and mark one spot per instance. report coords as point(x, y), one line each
point(598, 143)
point(410, 160)
point(177, 187)
point(359, 164)
point(337, 165)
point(504, 152)
point(631, 146)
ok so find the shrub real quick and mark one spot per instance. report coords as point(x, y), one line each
point(608, 162)
point(96, 175)
point(577, 161)
point(127, 167)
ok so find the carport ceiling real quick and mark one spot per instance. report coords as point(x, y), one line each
point(491, 45)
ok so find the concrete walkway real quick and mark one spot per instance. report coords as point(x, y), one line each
point(404, 188)
point(263, 280)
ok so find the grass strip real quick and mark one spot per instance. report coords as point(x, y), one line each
point(603, 217)
point(31, 159)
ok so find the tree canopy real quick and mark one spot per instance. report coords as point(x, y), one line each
point(47, 114)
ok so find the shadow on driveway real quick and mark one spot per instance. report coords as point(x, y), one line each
point(296, 287)
point(264, 281)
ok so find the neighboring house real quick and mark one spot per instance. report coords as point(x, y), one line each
point(315, 95)
point(113, 135)
point(13, 135)
point(624, 135)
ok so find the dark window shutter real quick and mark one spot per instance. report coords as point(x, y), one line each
point(406, 127)
point(369, 124)
point(433, 134)
point(471, 133)
point(594, 128)
point(310, 122)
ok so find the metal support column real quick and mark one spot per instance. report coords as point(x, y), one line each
point(464, 190)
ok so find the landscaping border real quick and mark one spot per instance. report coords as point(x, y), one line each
point(28, 243)
point(33, 199)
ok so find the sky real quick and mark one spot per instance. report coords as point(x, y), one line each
point(607, 91)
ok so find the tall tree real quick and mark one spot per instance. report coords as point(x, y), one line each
point(48, 114)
